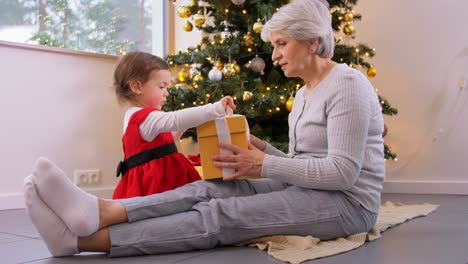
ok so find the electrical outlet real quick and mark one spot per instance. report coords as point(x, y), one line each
point(87, 177)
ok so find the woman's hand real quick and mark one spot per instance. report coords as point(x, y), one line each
point(246, 162)
point(228, 101)
point(258, 143)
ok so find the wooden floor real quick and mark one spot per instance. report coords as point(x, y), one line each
point(441, 237)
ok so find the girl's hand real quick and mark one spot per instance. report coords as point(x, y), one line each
point(246, 162)
point(258, 143)
point(228, 101)
point(177, 134)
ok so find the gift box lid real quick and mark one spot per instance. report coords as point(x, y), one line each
point(236, 124)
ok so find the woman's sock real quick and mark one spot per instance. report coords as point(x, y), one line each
point(77, 209)
point(59, 239)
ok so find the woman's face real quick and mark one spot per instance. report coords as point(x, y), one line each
point(292, 55)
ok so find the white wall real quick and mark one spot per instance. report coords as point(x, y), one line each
point(60, 106)
point(421, 53)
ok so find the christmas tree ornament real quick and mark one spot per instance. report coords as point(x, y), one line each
point(229, 70)
point(371, 72)
point(219, 64)
point(174, 80)
point(247, 96)
point(238, 2)
point(199, 19)
point(193, 3)
point(194, 71)
point(348, 16)
point(257, 65)
point(197, 78)
point(258, 26)
point(236, 66)
point(349, 29)
point(203, 46)
point(215, 74)
point(184, 11)
point(202, 41)
point(188, 26)
point(182, 75)
point(248, 40)
point(289, 103)
point(226, 33)
point(230, 40)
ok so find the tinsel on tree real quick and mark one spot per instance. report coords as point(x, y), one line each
point(231, 59)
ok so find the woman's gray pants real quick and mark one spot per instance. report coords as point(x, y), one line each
point(206, 214)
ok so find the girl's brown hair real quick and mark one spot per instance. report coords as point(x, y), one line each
point(136, 66)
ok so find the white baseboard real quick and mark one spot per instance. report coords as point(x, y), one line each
point(11, 201)
point(426, 187)
point(16, 200)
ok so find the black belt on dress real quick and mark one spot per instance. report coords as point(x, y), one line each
point(144, 157)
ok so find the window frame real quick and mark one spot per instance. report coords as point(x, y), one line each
point(160, 42)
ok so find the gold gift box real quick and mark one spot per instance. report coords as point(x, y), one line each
point(208, 143)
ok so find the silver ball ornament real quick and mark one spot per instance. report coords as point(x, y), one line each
point(226, 33)
point(257, 65)
point(238, 2)
point(215, 74)
point(194, 71)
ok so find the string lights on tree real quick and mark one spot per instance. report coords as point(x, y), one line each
point(235, 61)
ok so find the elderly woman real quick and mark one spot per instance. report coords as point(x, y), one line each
point(328, 186)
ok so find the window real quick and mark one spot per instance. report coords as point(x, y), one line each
point(100, 26)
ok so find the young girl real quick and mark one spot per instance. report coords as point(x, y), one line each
point(152, 163)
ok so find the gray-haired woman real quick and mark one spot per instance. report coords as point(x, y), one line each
point(328, 186)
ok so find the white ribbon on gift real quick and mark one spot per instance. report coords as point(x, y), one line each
point(224, 135)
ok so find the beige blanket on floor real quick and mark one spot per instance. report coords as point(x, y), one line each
point(296, 249)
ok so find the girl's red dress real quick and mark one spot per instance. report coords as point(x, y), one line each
point(155, 176)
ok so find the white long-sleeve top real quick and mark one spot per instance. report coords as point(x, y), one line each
point(176, 121)
point(335, 139)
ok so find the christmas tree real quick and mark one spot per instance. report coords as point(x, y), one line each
point(231, 59)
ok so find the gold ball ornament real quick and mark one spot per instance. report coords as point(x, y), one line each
point(349, 29)
point(184, 11)
point(258, 26)
point(229, 70)
point(289, 103)
point(197, 78)
point(236, 68)
point(193, 3)
point(247, 96)
point(199, 19)
point(188, 26)
point(248, 40)
point(371, 72)
point(348, 16)
point(183, 75)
